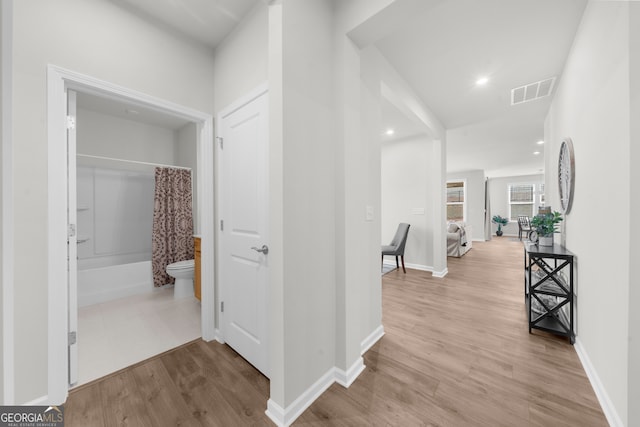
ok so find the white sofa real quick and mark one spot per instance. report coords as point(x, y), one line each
point(458, 238)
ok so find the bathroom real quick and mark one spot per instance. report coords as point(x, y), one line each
point(122, 317)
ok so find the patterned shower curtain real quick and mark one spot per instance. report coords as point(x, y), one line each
point(172, 222)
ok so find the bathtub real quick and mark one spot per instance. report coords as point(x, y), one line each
point(96, 285)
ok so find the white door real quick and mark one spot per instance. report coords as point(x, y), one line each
point(72, 246)
point(244, 258)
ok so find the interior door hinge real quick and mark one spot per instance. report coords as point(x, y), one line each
point(222, 307)
point(73, 338)
point(71, 230)
point(220, 141)
point(222, 225)
point(71, 122)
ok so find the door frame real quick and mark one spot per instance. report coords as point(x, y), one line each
point(223, 290)
point(58, 81)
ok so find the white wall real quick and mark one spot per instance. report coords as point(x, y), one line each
point(499, 199)
point(77, 35)
point(101, 134)
point(592, 106)
point(241, 60)
point(406, 197)
point(475, 199)
point(634, 227)
point(307, 187)
point(5, 86)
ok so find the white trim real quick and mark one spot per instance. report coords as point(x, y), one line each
point(218, 336)
point(601, 392)
point(6, 253)
point(41, 401)
point(346, 378)
point(58, 80)
point(412, 266)
point(373, 338)
point(284, 417)
point(440, 274)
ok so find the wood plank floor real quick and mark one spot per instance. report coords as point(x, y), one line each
point(457, 352)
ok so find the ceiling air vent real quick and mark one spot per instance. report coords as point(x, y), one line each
point(532, 91)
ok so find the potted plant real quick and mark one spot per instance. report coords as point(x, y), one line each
point(545, 225)
point(497, 219)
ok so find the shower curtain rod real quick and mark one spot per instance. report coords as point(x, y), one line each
point(89, 156)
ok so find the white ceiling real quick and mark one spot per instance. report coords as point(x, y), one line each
point(445, 48)
point(441, 49)
point(206, 21)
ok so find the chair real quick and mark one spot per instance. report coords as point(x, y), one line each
point(524, 226)
point(396, 247)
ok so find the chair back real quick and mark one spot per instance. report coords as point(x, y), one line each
point(523, 221)
point(400, 239)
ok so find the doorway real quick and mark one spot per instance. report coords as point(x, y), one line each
point(61, 336)
point(122, 318)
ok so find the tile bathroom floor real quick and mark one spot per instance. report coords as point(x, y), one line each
point(119, 333)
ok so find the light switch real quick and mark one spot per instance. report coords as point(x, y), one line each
point(369, 213)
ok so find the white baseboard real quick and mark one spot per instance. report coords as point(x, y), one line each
point(218, 336)
point(41, 401)
point(419, 267)
point(440, 274)
point(345, 379)
point(412, 266)
point(373, 338)
point(601, 393)
point(284, 417)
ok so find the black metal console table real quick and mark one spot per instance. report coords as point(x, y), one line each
point(548, 289)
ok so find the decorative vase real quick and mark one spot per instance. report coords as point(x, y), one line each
point(498, 232)
point(545, 240)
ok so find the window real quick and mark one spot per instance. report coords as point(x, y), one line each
point(455, 201)
point(521, 200)
point(541, 194)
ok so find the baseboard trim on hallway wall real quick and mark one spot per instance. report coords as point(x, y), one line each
point(440, 274)
point(284, 417)
point(346, 378)
point(601, 393)
point(412, 266)
point(373, 338)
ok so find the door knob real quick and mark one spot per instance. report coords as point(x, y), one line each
point(264, 249)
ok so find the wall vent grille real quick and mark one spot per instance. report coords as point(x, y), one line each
point(532, 91)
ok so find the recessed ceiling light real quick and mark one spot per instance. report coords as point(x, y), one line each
point(535, 153)
point(390, 131)
point(482, 81)
point(540, 142)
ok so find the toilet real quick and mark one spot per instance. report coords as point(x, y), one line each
point(182, 271)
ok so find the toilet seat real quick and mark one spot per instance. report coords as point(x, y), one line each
point(181, 265)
